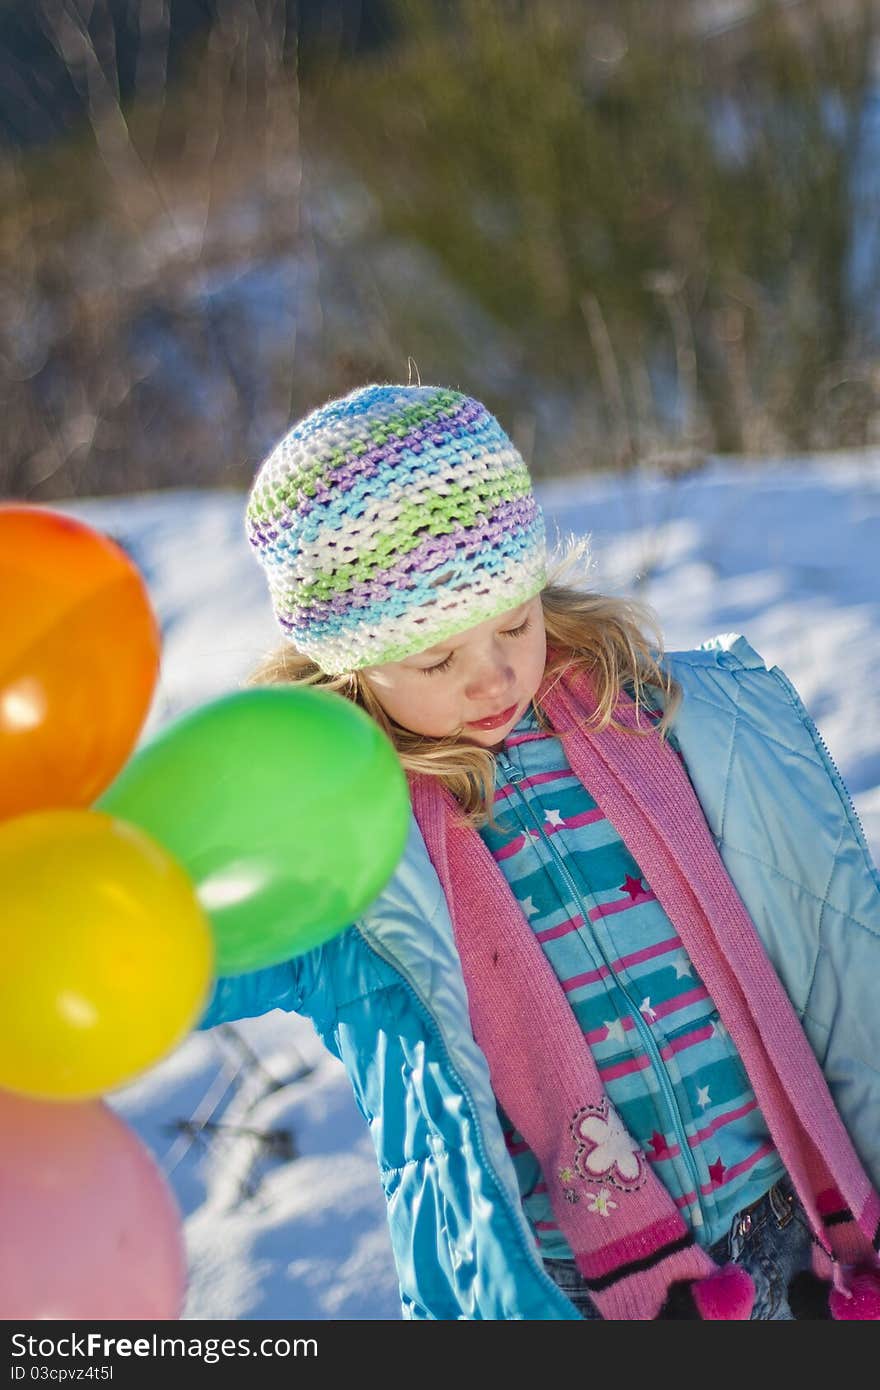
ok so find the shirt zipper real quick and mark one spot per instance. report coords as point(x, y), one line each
point(515, 776)
point(518, 1215)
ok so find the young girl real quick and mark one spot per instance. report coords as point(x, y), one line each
point(613, 1021)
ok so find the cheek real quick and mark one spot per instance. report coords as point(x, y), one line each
point(430, 698)
point(538, 655)
point(418, 705)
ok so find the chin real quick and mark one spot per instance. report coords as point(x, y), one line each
point(494, 746)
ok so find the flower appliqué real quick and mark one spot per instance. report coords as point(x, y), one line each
point(601, 1202)
point(605, 1148)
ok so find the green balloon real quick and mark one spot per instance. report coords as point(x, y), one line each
point(288, 808)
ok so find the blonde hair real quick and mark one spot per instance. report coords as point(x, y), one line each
point(602, 635)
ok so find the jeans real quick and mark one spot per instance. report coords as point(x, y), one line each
point(770, 1240)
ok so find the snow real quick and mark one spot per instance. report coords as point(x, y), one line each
point(787, 553)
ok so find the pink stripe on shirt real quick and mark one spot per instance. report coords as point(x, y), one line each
point(672, 943)
point(619, 905)
point(573, 822)
point(570, 924)
point(685, 1041)
point(720, 1121)
point(624, 1068)
point(536, 780)
point(589, 977)
point(680, 1001)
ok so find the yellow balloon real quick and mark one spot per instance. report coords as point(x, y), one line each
point(107, 955)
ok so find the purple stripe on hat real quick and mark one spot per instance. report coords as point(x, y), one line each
point(461, 543)
point(365, 465)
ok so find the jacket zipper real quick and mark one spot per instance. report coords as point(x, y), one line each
point(515, 776)
point(832, 765)
point(518, 1216)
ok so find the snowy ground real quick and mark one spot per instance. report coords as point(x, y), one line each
point(787, 554)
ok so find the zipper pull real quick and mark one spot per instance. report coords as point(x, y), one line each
point(511, 773)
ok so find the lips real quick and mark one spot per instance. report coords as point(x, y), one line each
point(492, 721)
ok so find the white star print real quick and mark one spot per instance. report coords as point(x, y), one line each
point(682, 966)
point(614, 1030)
point(703, 1097)
point(528, 906)
point(646, 1011)
point(554, 818)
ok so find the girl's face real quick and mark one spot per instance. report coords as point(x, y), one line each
point(487, 669)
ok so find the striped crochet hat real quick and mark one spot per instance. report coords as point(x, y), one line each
point(390, 519)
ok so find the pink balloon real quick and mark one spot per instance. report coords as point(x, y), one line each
point(88, 1225)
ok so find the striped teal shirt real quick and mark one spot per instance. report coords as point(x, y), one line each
point(662, 1052)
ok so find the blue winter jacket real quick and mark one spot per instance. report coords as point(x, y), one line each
point(388, 998)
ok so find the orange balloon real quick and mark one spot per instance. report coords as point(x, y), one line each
point(79, 660)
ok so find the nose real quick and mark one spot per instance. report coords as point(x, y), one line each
point(491, 681)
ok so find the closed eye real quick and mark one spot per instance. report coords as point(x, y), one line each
point(443, 665)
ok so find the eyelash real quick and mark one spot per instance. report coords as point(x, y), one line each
point(512, 632)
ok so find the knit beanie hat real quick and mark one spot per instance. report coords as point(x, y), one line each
point(391, 519)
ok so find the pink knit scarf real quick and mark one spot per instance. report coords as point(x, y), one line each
point(629, 1241)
